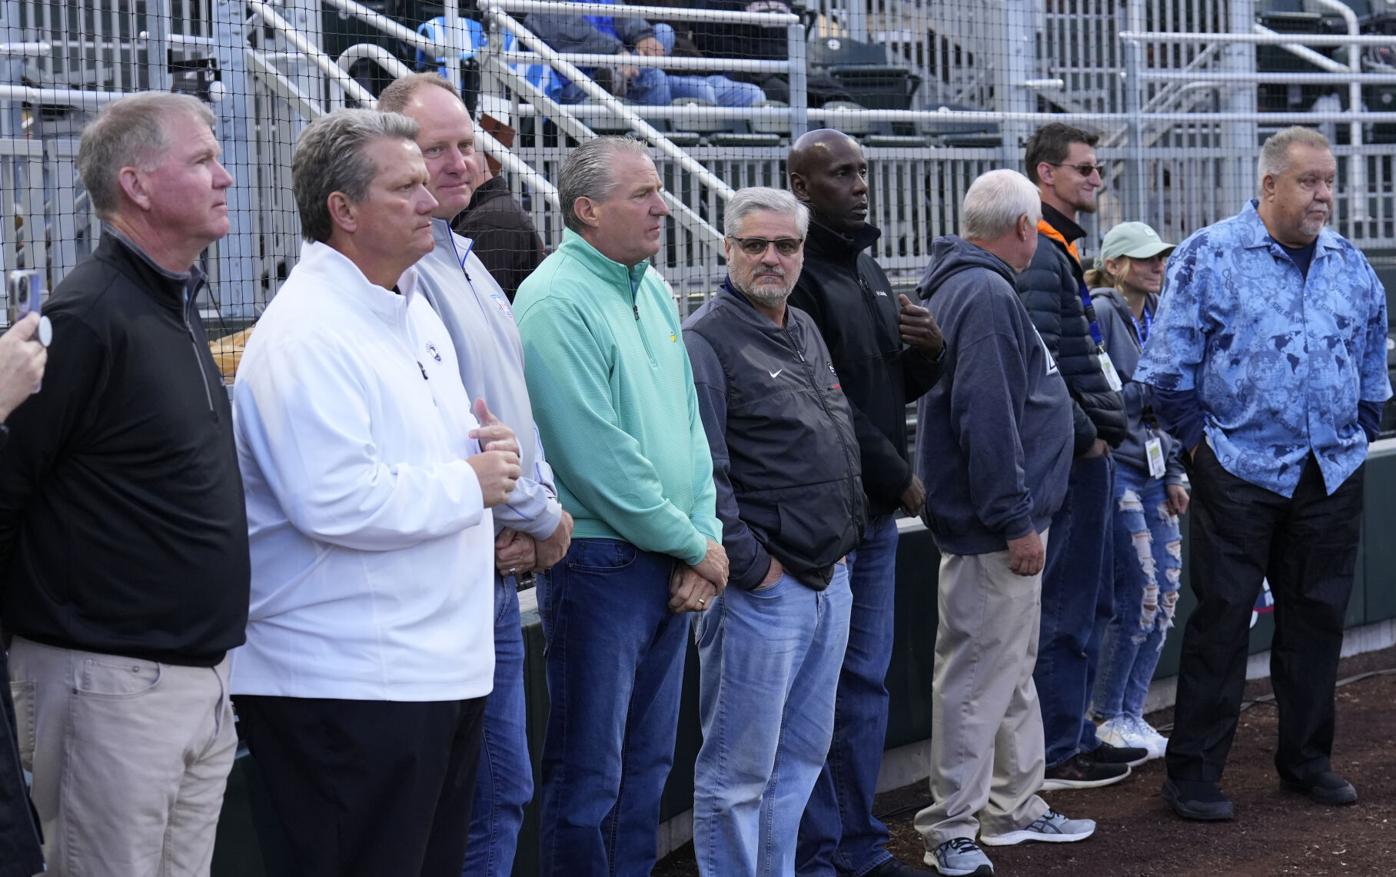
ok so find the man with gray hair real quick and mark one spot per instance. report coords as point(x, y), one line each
point(361, 689)
point(613, 396)
point(123, 539)
point(1268, 363)
point(994, 448)
point(790, 498)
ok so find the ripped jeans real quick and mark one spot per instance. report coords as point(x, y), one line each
point(1148, 561)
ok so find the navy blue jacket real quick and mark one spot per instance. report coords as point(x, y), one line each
point(994, 436)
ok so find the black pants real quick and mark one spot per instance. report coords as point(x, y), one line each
point(367, 787)
point(1307, 546)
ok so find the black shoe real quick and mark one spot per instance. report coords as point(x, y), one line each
point(1082, 772)
point(893, 868)
point(1108, 754)
point(1325, 788)
point(1201, 801)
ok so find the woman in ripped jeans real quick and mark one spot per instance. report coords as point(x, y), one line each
point(1151, 493)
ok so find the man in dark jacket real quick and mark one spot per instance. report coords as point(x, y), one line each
point(785, 465)
point(886, 351)
point(123, 537)
point(22, 358)
point(502, 234)
point(1076, 585)
point(995, 445)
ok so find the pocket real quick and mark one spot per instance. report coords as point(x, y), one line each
point(22, 693)
point(772, 589)
point(601, 555)
point(115, 677)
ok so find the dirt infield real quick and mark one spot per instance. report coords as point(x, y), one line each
point(1275, 833)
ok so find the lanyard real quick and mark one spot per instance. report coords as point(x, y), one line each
point(1089, 309)
point(1143, 329)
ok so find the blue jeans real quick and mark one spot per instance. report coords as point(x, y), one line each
point(615, 656)
point(1148, 562)
point(1076, 607)
point(716, 89)
point(839, 829)
point(504, 783)
point(769, 668)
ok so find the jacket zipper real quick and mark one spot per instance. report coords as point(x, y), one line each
point(635, 306)
point(194, 344)
point(818, 391)
point(870, 300)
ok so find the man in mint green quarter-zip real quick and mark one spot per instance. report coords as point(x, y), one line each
point(614, 401)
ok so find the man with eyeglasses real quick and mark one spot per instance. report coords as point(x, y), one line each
point(1268, 362)
point(772, 643)
point(1077, 583)
point(887, 352)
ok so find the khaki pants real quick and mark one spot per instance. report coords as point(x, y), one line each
point(986, 646)
point(129, 757)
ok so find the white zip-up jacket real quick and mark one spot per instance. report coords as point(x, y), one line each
point(372, 551)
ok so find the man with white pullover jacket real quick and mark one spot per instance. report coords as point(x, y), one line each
point(361, 689)
point(532, 531)
point(994, 447)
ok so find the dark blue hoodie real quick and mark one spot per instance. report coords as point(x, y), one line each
point(994, 436)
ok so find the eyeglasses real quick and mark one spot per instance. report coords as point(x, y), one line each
point(1084, 170)
point(758, 246)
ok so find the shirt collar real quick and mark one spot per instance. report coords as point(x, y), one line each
point(1058, 220)
point(1257, 236)
point(188, 281)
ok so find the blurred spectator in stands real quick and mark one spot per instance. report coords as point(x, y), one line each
point(122, 527)
point(531, 530)
point(22, 357)
point(1268, 362)
point(613, 395)
point(622, 36)
point(361, 689)
point(1076, 586)
point(887, 352)
point(994, 442)
point(721, 39)
point(785, 463)
point(1149, 496)
point(500, 232)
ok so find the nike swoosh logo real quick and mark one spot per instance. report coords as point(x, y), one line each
point(776, 373)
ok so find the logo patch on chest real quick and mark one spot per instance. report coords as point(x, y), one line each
point(433, 352)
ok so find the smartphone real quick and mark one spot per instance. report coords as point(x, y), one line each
point(24, 294)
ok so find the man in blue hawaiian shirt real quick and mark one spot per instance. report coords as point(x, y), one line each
point(1268, 361)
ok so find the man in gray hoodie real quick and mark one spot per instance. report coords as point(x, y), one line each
point(994, 448)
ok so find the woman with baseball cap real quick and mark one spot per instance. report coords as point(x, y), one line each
point(1150, 493)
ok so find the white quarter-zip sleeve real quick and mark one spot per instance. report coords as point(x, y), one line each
point(305, 419)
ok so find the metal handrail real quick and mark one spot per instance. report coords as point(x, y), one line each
point(1258, 39)
point(771, 19)
point(605, 98)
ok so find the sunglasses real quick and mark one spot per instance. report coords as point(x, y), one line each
point(1084, 170)
point(758, 246)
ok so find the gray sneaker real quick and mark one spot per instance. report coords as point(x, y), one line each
point(961, 857)
point(1050, 827)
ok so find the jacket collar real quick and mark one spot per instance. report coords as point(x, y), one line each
point(628, 277)
point(825, 241)
point(1256, 236)
point(1067, 228)
point(169, 287)
point(748, 310)
point(335, 270)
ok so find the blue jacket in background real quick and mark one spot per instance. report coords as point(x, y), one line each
point(1123, 344)
point(994, 436)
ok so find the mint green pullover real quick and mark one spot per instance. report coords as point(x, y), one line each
point(613, 398)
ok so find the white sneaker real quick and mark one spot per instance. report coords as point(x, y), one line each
point(1156, 743)
point(1121, 731)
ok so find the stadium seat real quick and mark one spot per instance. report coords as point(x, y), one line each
point(862, 69)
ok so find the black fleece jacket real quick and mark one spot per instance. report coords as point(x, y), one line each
point(122, 525)
point(851, 301)
point(1051, 291)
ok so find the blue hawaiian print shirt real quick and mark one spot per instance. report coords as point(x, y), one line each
point(1278, 363)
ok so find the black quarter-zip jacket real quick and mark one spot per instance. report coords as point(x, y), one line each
point(851, 301)
point(122, 524)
